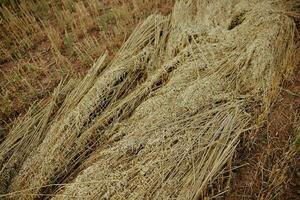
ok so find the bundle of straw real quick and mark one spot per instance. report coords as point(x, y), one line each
point(162, 119)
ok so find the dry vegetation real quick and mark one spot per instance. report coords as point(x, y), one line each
point(182, 106)
point(43, 42)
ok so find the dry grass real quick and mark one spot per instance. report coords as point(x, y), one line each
point(46, 41)
point(161, 117)
point(269, 155)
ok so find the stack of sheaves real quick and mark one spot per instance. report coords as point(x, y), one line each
point(161, 119)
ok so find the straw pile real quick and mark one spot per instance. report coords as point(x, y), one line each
point(161, 119)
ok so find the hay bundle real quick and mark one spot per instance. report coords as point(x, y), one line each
point(28, 133)
point(162, 119)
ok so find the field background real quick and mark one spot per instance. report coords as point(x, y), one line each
point(45, 42)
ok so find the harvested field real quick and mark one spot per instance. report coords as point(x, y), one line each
point(185, 109)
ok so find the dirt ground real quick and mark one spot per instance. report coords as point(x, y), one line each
point(267, 160)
